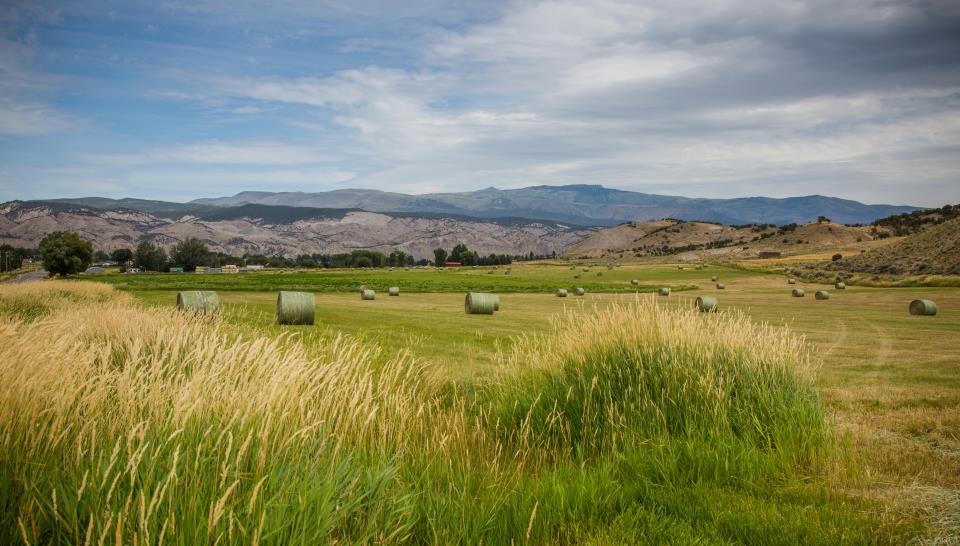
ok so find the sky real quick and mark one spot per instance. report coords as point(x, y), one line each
point(180, 99)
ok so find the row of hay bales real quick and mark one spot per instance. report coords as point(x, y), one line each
point(298, 308)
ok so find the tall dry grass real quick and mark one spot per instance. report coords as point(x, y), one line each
point(145, 424)
point(131, 425)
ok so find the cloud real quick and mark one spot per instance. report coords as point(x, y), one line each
point(723, 98)
point(218, 153)
point(30, 119)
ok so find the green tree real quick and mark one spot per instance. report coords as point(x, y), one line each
point(149, 257)
point(121, 255)
point(189, 253)
point(65, 253)
point(11, 258)
point(456, 255)
point(100, 256)
point(398, 258)
point(439, 257)
point(306, 260)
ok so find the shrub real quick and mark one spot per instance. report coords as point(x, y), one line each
point(836, 257)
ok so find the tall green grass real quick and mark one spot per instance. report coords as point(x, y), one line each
point(638, 424)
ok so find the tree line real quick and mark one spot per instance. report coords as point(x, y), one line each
point(66, 253)
point(462, 254)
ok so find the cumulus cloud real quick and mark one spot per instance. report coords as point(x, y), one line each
point(659, 93)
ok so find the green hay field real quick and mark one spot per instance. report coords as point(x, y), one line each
point(887, 383)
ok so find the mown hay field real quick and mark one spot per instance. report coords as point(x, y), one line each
point(607, 419)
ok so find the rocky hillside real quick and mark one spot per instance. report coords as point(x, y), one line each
point(933, 251)
point(286, 231)
point(663, 237)
point(580, 204)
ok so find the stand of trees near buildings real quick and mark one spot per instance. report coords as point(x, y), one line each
point(12, 258)
point(65, 253)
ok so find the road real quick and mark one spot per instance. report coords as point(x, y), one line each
point(35, 275)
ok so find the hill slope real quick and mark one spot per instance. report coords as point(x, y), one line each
point(933, 251)
point(663, 237)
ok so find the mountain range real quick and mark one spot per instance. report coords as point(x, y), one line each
point(540, 219)
point(286, 231)
point(582, 204)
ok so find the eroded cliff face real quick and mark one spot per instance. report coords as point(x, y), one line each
point(24, 224)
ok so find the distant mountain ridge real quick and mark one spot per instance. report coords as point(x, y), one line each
point(580, 204)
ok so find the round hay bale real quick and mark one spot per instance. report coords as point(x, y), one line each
point(721, 286)
point(481, 303)
point(204, 301)
point(573, 268)
point(791, 281)
point(295, 307)
point(680, 267)
point(665, 291)
point(577, 276)
point(797, 292)
point(579, 291)
point(713, 278)
point(634, 282)
point(368, 295)
point(840, 286)
point(822, 295)
point(923, 307)
point(706, 304)
point(561, 292)
point(586, 269)
point(599, 273)
point(394, 291)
